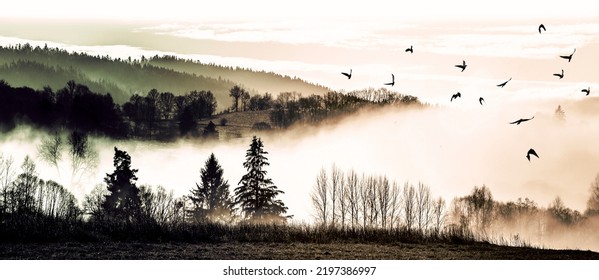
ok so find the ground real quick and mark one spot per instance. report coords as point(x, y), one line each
point(283, 251)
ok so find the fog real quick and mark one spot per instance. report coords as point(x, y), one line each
point(451, 149)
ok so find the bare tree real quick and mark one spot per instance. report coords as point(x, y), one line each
point(383, 193)
point(320, 199)
point(395, 205)
point(408, 200)
point(423, 207)
point(7, 175)
point(336, 185)
point(593, 202)
point(50, 150)
point(364, 200)
point(92, 202)
point(83, 156)
point(342, 197)
point(480, 208)
point(353, 197)
point(438, 215)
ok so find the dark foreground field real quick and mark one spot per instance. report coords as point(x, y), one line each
point(282, 251)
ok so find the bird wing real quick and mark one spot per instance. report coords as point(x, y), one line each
point(515, 122)
point(533, 152)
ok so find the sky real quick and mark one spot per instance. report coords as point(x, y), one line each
point(317, 40)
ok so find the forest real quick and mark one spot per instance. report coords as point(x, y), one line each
point(78, 97)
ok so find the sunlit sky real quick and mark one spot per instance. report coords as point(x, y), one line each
point(316, 40)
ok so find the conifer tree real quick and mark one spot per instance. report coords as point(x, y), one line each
point(122, 202)
point(256, 194)
point(211, 198)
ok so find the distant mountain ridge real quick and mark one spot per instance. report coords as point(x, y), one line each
point(36, 67)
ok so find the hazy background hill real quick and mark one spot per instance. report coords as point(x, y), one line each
point(260, 81)
point(36, 67)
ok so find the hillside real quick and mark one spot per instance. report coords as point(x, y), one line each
point(260, 81)
point(36, 67)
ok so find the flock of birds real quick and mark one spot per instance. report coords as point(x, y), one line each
point(531, 152)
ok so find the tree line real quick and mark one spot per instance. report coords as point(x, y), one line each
point(349, 200)
point(119, 204)
point(352, 200)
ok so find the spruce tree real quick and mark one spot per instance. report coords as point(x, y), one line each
point(211, 198)
point(123, 202)
point(256, 194)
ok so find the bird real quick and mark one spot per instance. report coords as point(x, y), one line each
point(504, 83)
point(347, 75)
point(392, 81)
point(587, 90)
point(568, 57)
point(531, 152)
point(560, 75)
point(455, 96)
point(410, 49)
point(480, 100)
point(463, 65)
point(521, 121)
point(542, 27)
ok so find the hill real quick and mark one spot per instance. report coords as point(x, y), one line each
point(36, 67)
point(259, 81)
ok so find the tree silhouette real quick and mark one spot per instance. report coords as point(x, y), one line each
point(593, 201)
point(123, 202)
point(187, 122)
point(211, 198)
point(559, 114)
point(236, 93)
point(256, 194)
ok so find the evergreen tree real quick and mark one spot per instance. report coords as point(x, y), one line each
point(256, 194)
point(211, 199)
point(559, 114)
point(122, 202)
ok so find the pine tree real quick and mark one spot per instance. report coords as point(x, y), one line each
point(256, 194)
point(123, 202)
point(211, 199)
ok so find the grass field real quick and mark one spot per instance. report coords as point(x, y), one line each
point(282, 251)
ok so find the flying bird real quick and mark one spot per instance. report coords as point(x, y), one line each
point(521, 120)
point(347, 75)
point(560, 75)
point(410, 49)
point(462, 66)
point(504, 83)
point(568, 57)
point(481, 100)
point(587, 90)
point(542, 27)
point(455, 96)
point(531, 152)
point(392, 81)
